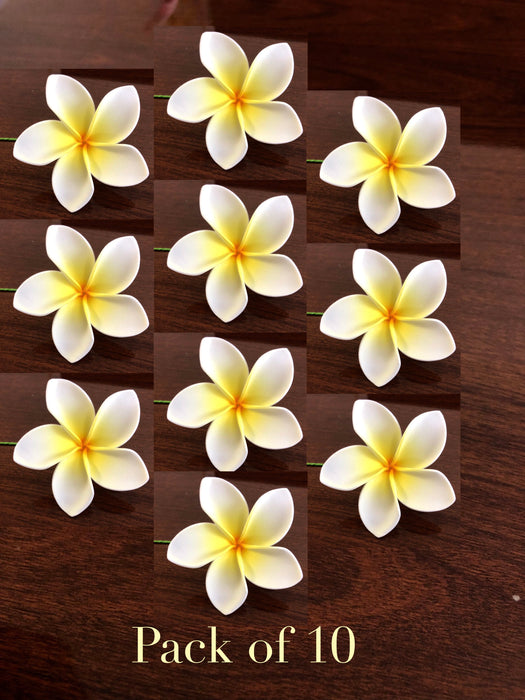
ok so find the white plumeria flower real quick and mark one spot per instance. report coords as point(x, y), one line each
point(85, 142)
point(84, 292)
point(85, 446)
point(391, 315)
point(391, 164)
point(240, 99)
point(239, 251)
point(239, 404)
point(238, 543)
point(392, 467)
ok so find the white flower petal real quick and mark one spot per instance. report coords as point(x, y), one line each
point(43, 293)
point(116, 266)
point(70, 252)
point(224, 58)
point(197, 405)
point(425, 187)
point(270, 519)
point(225, 443)
point(72, 487)
point(225, 583)
point(197, 252)
point(224, 365)
point(378, 355)
point(119, 469)
point(378, 506)
point(427, 490)
point(424, 339)
point(197, 545)
point(377, 276)
point(350, 467)
point(270, 73)
point(270, 378)
point(271, 567)
point(116, 420)
point(350, 317)
point(274, 428)
point(376, 123)
point(225, 290)
point(224, 212)
point(422, 442)
point(423, 137)
point(119, 316)
point(423, 290)
point(225, 138)
point(116, 116)
point(71, 406)
point(378, 202)
point(272, 275)
point(71, 331)
point(43, 142)
point(224, 504)
point(270, 226)
point(71, 102)
point(71, 180)
point(271, 122)
point(350, 164)
point(44, 446)
point(376, 426)
point(119, 165)
point(197, 100)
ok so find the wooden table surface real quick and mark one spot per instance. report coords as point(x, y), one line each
point(436, 607)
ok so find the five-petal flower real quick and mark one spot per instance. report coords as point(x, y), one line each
point(86, 446)
point(239, 98)
point(239, 251)
point(392, 165)
point(391, 315)
point(85, 142)
point(85, 291)
point(392, 466)
point(239, 543)
point(239, 404)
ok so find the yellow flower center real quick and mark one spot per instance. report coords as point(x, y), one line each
point(238, 252)
point(237, 99)
point(83, 141)
point(390, 163)
point(238, 544)
point(84, 293)
point(390, 316)
point(83, 446)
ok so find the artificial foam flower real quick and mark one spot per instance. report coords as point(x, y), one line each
point(85, 142)
point(239, 404)
point(238, 543)
point(239, 98)
point(391, 315)
point(392, 165)
point(85, 446)
point(239, 251)
point(392, 466)
point(84, 292)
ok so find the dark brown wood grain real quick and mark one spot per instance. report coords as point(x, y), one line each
point(180, 149)
point(26, 189)
point(177, 366)
point(333, 213)
point(70, 590)
point(26, 340)
point(180, 300)
point(333, 364)
point(80, 34)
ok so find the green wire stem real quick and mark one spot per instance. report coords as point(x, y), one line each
point(7, 289)
point(8, 444)
point(6, 138)
point(161, 541)
point(162, 97)
point(314, 160)
point(162, 250)
point(160, 401)
point(314, 313)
